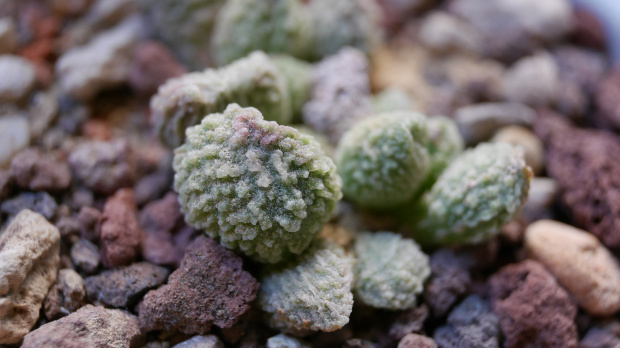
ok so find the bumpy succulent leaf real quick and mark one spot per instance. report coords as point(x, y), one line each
point(382, 160)
point(444, 144)
point(254, 185)
point(252, 81)
point(389, 271)
point(311, 294)
point(184, 25)
point(340, 23)
point(274, 26)
point(298, 76)
point(475, 196)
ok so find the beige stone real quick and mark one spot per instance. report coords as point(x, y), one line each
point(528, 141)
point(29, 260)
point(582, 265)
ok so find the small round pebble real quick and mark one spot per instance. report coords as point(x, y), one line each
point(18, 78)
point(524, 138)
point(580, 263)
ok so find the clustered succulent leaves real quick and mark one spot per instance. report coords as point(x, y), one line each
point(251, 81)
point(266, 190)
point(479, 192)
point(382, 160)
point(278, 26)
point(389, 271)
point(310, 294)
point(257, 186)
point(306, 31)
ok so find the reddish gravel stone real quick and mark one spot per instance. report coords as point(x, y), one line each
point(90, 326)
point(585, 163)
point(209, 288)
point(449, 281)
point(165, 235)
point(123, 286)
point(608, 101)
point(588, 30)
point(88, 218)
point(533, 310)
point(153, 65)
point(417, 341)
point(411, 321)
point(36, 171)
point(120, 234)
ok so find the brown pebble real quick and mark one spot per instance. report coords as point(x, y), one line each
point(416, 341)
point(66, 296)
point(123, 286)
point(209, 288)
point(90, 326)
point(120, 234)
point(36, 171)
point(533, 310)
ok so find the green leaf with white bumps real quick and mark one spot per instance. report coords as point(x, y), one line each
point(476, 195)
point(259, 187)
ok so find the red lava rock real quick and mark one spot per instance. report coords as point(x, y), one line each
point(411, 321)
point(533, 310)
point(153, 65)
point(585, 163)
point(608, 101)
point(450, 280)
point(165, 235)
point(209, 288)
point(90, 326)
point(120, 233)
point(88, 218)
point(417, 341)
point(103, 166)
point(124, 286)
point(36, 171)
point(588, 30)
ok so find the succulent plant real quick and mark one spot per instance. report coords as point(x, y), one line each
point(340, 23)
point(298, 76)
point(259, 187)
point(444, 145)
point(185, 26)
point(389, 271)
point(340, 93)
point(391, 99)
point(383, 160)
point(474, 197)
point(311, 294)
point(251, 81)
point(275, 26)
